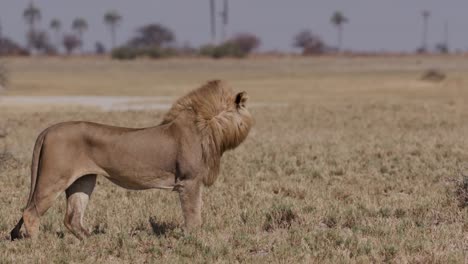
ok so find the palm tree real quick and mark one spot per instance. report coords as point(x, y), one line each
point(338, 20)
point(112, 19)
point(31, 15)
point(225, 19)
point(213, 21)
point(56, 26)
point(425, 15)
point(80, 25)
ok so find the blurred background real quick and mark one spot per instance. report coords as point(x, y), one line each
point(221, 28)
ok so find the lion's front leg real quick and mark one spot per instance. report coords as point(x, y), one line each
point(190, 193)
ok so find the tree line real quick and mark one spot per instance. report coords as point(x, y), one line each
point(39, 41)
point(151, 40)
point(156, 40)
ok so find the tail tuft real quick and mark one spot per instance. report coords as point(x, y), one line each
point(15, 233)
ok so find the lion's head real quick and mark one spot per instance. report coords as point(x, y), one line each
point(222, 119)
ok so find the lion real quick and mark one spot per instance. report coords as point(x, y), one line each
point(183, 154)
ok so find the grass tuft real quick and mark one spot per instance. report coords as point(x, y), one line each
point(3, 75)
point(461, 191)
point(161, 228)
point(8, 161)
point(279, 216)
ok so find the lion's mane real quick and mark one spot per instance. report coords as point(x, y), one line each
point(220, 117)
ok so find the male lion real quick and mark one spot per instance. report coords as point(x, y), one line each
point(183, 153)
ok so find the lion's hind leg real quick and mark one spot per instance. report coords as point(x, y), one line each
point(43, 198)
point(78, 195)
point(31, 221)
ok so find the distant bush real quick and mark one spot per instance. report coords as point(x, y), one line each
point(124, 53)
point(40, 41)
point(207, 50)
point(130, 53)
point(152, 35)
point(156, 41)
point(310, 43)
point(421, 50)
point(186, 50)
point(239, 46)
point(227, 49)
point(157, 52)
point(9, 47)
point(442, 48)
point(246, 42)
point(151, 40)
point(70, 43)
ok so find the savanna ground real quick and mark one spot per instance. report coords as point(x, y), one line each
point(355, 160)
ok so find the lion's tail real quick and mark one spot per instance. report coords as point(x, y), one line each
point(36, 160)
point(15, 233)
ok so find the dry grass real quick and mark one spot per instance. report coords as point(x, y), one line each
point(3, 76)
point(360, 166)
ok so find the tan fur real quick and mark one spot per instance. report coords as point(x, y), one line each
point(221, 124)
point(182, 154)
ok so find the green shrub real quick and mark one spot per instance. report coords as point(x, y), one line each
point(230, 49)
point(157, 52)
point(226, 49)
point(207, 50)
point(130, 53)
point(124, 53)
point(246, 42)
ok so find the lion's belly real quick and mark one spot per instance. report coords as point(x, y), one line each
point(137, 181)
point(141, 170)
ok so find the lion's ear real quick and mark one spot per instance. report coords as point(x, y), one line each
point(241, 99)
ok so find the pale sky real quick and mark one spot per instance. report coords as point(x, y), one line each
point(375, 25)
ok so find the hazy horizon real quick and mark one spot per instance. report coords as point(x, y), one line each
point(374, 25)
